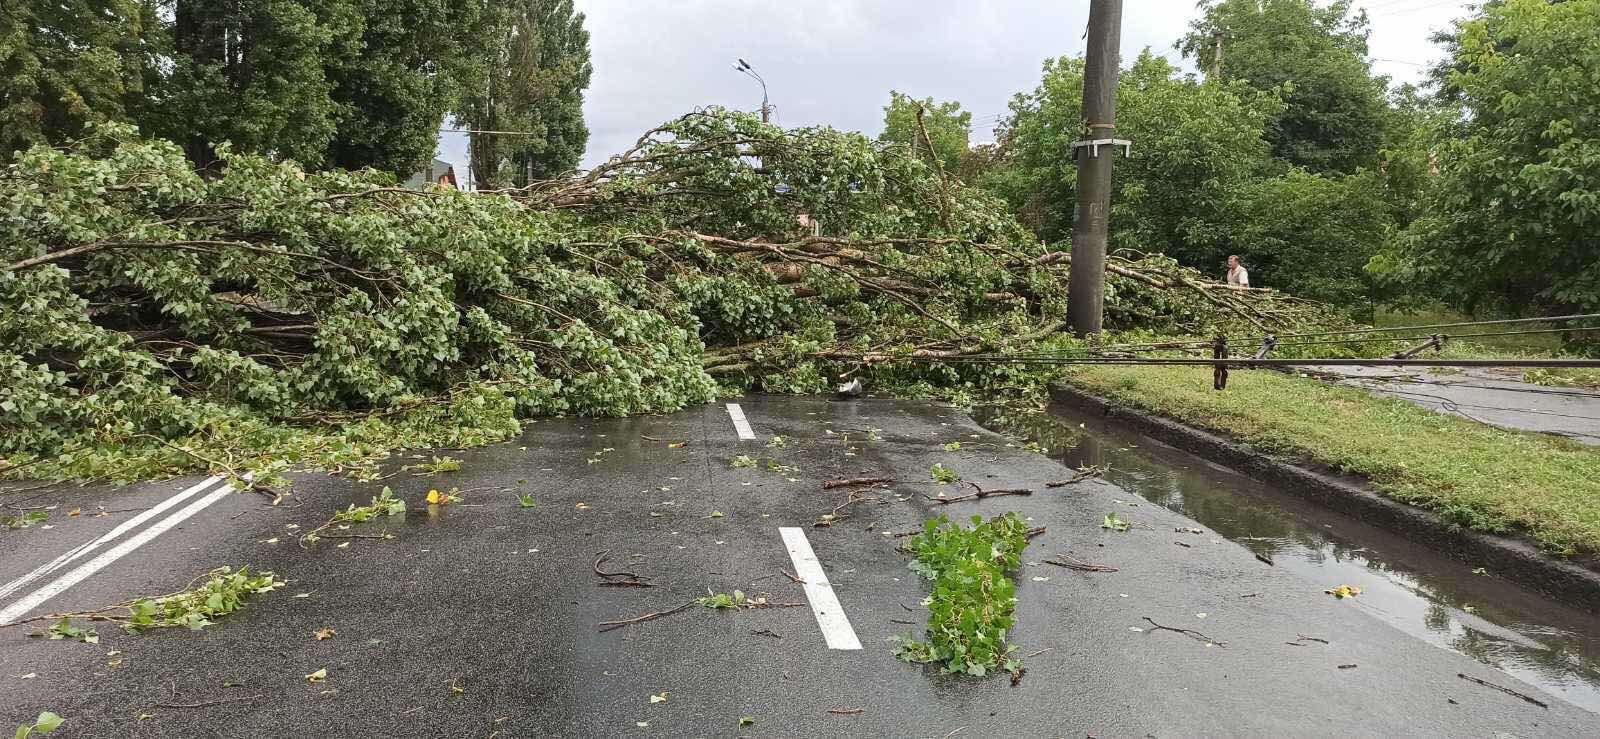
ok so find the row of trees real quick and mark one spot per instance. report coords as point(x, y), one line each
point(1482, 191)
point(328, 83)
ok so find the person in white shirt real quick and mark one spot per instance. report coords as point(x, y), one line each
point(1238, 276)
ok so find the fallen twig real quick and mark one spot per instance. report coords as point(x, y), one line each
point(792, 577)
point(1035, 654)
point(632, 580)
point(831, 484)
point(980, 494)
point(1073, 563)
point(1085, 474)
point(609, 625)
point(846, 711)
point(1191, 633)
point(1030, 534)
point(1507, 691)
point(203, 704)
point(765, 632)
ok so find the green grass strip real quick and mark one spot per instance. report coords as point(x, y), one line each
point(1481, 477)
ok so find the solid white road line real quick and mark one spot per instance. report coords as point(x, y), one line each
point(740, 424)
point(22, 607)
point(830, 615)
point(122, 528)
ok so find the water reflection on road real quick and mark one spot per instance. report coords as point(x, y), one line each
point(1415, 589)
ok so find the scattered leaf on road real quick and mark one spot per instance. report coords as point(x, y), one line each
point(318, 676)
point(1344, 591)
point(324, 634)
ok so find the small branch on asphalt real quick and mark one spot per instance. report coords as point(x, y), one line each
point(1035, 654)
point(203, 704)
point(833, 517)
point(902, 621)
point(1082, 475)
point(1191, 633)
point(610, 625)
point(1185, 546)
point(1507, 691)
point(855, 481)
point(1301, 639)
point(792, 577)
point(631, 580)
point(980, 494)
point(1073, 563)
point(1030, 534)
point(1249, 595)
point(846, 711)
point(765, 632)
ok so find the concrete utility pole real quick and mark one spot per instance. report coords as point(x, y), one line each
point(766, 108)
point(1086, 287)
point(1216, 61)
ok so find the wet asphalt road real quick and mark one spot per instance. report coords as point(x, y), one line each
point(481, 619)
point(1497, 397)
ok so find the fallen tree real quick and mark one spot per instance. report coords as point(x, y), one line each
point(149, 310)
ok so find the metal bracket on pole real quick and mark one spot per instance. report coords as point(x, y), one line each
point(1094, 146)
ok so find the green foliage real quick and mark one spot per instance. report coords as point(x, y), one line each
point(270, 318)
point(1195, 146)
point(942, 474)
point(537, 89)
point(435, 466)
point(525, 500)
point(24, 519)
point(67, 64)
point(1312, 235)
point(45, 724)
point(970, 609)
point(64, 630)
point(730, 601)
point(222, 592)
point(742, 461)
point(1115, 523)
point(1312, 56)
point(954, 446)
point(1510, 222)
point(948, 128)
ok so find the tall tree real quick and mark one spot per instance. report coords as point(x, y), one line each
point(254, 73)
point(534, 93)
point(1195, 146)
point(949, 128)
point(67, 64)
point(1512, 222)
point(1315, 58)
point(415, 60)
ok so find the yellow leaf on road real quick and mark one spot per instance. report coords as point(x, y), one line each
point(1344, 591)
point(318, 676)
point(324, 634)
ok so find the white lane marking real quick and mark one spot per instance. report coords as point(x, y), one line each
point(122, 528)
point(22, 607)
point(830, 615)
point(740, 424)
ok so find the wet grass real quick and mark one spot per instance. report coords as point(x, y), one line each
point(1483, 478)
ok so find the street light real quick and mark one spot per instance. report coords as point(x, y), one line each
point(745, 68)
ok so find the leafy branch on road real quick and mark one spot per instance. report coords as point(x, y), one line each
point(973, 600)
point(383, 504)
point(215, 594)
point(46, 723)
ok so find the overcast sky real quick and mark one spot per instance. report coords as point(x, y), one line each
point(834, 61)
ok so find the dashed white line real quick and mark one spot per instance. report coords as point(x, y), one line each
point(740, 423)
point(835, 626)
point(123, 528)
point(22, 607)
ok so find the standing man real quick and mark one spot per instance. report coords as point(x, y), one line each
point(1238, 276)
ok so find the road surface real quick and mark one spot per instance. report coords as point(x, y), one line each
point(481, 619)
point(1494, 397)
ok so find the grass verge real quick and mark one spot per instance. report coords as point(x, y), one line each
point(1480, 477)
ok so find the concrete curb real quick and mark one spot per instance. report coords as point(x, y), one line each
point(1520, 561)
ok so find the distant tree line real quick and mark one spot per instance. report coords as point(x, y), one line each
point(327, 83)
point(1480, 190)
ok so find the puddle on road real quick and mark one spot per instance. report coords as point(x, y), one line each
point(1415, 589)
